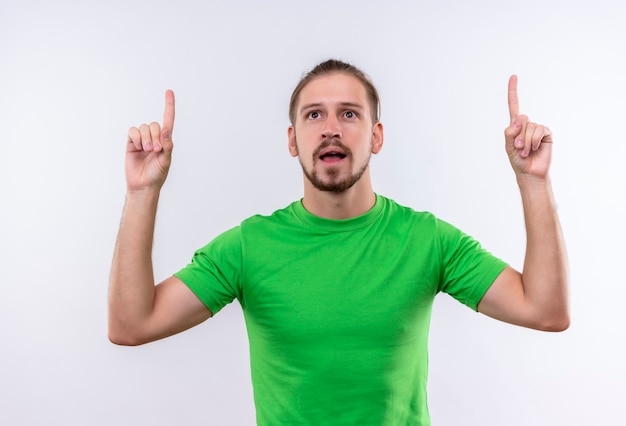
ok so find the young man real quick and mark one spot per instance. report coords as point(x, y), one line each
point(337, 288)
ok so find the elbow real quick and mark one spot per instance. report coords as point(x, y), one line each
point(122, 336)
point(560, 326)
point(553, 317)
point(122, 340)
point(556, 323)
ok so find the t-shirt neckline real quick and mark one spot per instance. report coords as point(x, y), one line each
point(337, 225)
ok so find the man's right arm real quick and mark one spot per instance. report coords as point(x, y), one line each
point(139, 311)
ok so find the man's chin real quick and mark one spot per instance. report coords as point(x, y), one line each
point(331, 179)
point(333, 185)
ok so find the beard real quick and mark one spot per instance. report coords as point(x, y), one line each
point(330, 180)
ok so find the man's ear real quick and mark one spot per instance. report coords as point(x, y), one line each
point(291, 135)
point(378, 137)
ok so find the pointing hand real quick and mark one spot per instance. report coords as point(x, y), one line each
point(149, 150)
point(528, 144)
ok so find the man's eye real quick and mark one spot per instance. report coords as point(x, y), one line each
point(349, 114)
point(313, 115)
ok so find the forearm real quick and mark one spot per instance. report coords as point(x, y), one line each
point(545, 274)
point(131, 288)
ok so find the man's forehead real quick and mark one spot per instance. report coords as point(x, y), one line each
point(334, 88)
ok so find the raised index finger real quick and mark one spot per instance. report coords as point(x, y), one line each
point(513, 100)
point(169, 112)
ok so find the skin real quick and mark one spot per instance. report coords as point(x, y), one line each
point(333, 115)
point(139, 311)
point(537, 297)
point(335, 107)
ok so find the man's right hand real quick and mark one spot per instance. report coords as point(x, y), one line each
point(149, 151)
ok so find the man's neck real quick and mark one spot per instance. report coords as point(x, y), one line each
point(351, 203)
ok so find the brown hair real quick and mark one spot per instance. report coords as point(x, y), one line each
point(335, 66)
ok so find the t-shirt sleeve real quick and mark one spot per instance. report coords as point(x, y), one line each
point(468, 270)
point(214, 272)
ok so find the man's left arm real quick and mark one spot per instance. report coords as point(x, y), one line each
point(537, 297)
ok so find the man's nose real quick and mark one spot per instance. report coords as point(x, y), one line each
point(332, 128)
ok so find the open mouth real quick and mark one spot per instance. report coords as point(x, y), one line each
point(332, 156)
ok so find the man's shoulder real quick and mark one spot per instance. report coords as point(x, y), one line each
point(396, 209)
point(278, 216)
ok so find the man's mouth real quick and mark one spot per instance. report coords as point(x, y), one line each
point(332, 151)
point(332, 156)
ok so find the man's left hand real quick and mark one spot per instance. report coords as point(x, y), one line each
point(528, 144)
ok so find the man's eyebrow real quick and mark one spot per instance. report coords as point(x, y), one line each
point(352, 105)
point(311, 105)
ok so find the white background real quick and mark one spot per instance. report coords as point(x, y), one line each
point(75, 75)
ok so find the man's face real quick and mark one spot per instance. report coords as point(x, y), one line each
point(333, 135)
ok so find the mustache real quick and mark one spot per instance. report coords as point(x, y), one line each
point(328, 142)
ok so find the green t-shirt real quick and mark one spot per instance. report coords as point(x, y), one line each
point(338, 311)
